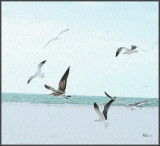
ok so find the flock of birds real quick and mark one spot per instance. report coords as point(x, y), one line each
point(63, 82)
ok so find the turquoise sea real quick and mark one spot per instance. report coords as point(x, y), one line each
point(74, 99)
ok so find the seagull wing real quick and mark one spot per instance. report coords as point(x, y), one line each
point(50, 41)
point(52, 89)
point(106, 107)
point(129, 105)
point(35, 75)
point(109, 95)
point(139, 103)
point(62, 32)
point(119, 50)
point(55, 37)
point(40, 65)
point(96, 108)
point(63, 81)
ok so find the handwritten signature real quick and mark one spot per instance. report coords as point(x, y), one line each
point(147, 135)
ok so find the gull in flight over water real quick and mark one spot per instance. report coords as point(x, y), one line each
point(56, 38)
point(134, 106)
point(128, 51)
point(62, 86)
point(103, 115)
point(38, 73)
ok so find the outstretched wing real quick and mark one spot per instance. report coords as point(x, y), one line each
point(106, 107)
point(40, 65)
point(35, 75)
point(63, 81)
point(129, 105)
point(119, 50)
point(49, 42)
point(55, 37)
point(109, 95)
point(96, 108)
point(62, 32)
point(139, 103)
point(52, 89)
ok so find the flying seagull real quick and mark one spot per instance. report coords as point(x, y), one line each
point(103, 115)
point(128, 51)
point(62, 86)
point(133, 106)
point(145, 85)
point(38, 73)
point(56, 38)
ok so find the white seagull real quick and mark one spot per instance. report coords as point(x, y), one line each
point(128, 51)
point(62, 86)
point(56, 38)
point(134, 106)
point(38, 73)
point(103, 116)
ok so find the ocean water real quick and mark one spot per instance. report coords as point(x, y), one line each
point(74, 99)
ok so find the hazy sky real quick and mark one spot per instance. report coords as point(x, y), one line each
point(97, 30)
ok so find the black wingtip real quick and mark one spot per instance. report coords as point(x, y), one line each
point(68, 69)
point(107, 94)
point(44, 61)
point(95, 104)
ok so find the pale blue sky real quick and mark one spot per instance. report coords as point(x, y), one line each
point(97, 29)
